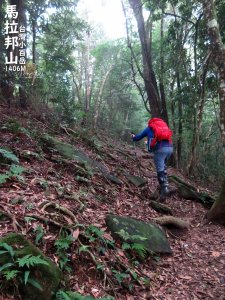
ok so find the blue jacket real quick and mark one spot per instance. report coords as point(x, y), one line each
point(148, 132)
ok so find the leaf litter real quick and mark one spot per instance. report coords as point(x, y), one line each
point(194, 271)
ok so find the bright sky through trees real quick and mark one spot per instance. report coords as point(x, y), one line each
point(107, 14)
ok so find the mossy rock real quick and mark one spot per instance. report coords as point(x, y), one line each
point(136, 180)
point(113, 178)
point(69, 152)
point(64, 149)
point(47, 276)
point(149, 235)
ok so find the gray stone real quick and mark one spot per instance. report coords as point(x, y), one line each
point(151, 236)
point(69, 152)
point(136, 180)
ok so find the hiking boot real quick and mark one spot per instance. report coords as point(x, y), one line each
point(164, 192)
point(164, 186)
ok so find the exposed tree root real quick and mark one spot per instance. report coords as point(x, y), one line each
point(50, 221)
point(63, 209)
point(169, 220)
point(15, 224)
point(76, 198)
point(160, 207)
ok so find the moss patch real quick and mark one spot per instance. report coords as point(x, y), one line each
point(134, 231)
point(47, 276)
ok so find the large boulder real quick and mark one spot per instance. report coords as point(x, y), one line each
point(46, 277)
point(151, 236)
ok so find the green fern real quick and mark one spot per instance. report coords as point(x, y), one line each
point(68, 295)
point(26, 276)
point(140, 249)
point(19, 269)
point(124, 234)
point(138, 237)
point(39, 234)
point(126, 246)
point(16, 170)
point(30, 261)
point(7, 248)
point(83, 248)
point(120, 276)
point(6, 266)
point(13, 125)
point(10, 274)
point(61, 295)
point(3, 178)
point(63, 243)
point(8, 155)
point(92, 232)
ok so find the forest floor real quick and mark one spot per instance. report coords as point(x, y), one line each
point(194, 271)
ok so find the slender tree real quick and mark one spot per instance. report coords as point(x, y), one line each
point(148, 72)
point(217, 212)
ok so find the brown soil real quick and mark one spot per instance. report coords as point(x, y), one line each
point(194, 271)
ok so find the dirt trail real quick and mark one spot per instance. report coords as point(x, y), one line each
point(194, 271)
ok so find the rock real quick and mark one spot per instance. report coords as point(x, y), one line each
point(47, 276)
point(136, 180)
point(69, 152)
point(113, 178)
point(149, 235)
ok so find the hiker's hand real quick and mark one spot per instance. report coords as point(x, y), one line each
point(132, 135)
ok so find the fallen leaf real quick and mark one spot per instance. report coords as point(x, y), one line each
point(215, 254)
point(108, 236)
point(76, 233)
point(121, 253)
point(185, 277)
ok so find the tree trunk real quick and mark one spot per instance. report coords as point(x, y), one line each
point(99, 98)
point(148, 73)
point(199, 117)
point(217, 212)
point(161, 77)
point(34, 41)
point(87, 81)
point(134, 63)
point(180, 124)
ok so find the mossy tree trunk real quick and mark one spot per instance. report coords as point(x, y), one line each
point(217, 212)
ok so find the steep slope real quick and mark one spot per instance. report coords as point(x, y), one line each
point(97, 267)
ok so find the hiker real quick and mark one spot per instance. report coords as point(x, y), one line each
point(160, 144)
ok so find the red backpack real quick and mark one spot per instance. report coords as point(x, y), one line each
point(161, 131)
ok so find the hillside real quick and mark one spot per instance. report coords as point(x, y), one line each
point(195, 270)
